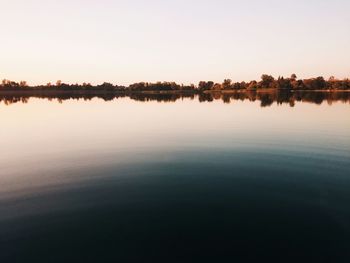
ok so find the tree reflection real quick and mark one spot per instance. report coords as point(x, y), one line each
point(266, 98)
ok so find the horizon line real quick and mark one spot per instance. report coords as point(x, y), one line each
point(53, 83)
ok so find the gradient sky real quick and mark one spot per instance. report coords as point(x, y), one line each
point(176, 40)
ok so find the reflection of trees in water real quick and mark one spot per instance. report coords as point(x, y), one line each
point(160, 97)
point(60, 97)
point(266, 98)
point(205, 97)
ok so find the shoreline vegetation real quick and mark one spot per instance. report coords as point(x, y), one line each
point(267, 82)
point(267, 91)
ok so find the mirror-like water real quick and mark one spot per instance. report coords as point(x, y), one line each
point(182, 181)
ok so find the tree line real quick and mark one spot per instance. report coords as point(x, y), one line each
point(266, 82)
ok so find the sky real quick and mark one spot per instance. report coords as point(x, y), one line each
point(185, 41)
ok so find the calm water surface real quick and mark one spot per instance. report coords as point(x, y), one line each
point(131, 181)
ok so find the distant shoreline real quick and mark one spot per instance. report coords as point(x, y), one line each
point(44, 92)
point(89, 92)
point(266, 83)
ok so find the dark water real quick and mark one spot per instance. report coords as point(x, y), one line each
point(128, 181)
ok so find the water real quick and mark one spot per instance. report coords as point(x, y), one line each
point(182, 181)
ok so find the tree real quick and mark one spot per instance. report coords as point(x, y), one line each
point(217, 86)
point(320, 83)
point(252, 85)
point(282, 83)
point(331, 79)
point(23, 84)
point(266, 81)
point(205, 85)
point(106, 86)
point(227, 84)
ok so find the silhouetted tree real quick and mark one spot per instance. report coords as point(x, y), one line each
point(252, 85)
point(227, 84)
point(205, 85)
point(266, 82)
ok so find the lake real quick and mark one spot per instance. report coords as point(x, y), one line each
point(175, 179)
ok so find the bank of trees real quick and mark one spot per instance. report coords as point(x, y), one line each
point(159, 86)
point(269, 82)
point(266, 82)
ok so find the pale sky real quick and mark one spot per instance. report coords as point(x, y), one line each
point(172, 40)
